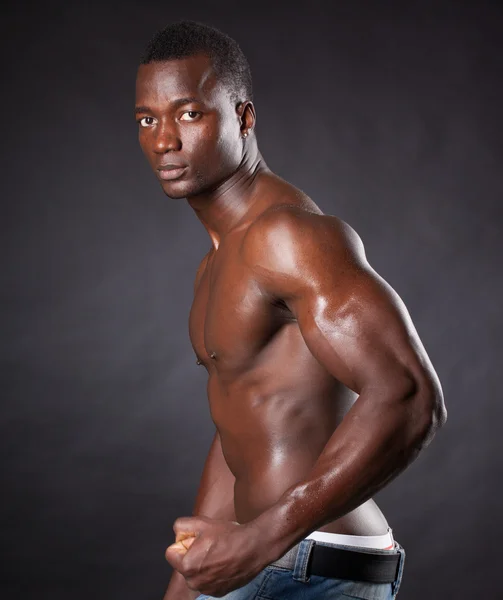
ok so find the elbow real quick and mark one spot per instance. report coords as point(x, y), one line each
point(428, 413)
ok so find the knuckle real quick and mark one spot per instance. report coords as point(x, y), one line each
point(178, 524)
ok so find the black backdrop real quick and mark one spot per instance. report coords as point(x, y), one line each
point(389, 116)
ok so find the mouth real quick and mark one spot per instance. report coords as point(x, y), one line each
point(170, 172)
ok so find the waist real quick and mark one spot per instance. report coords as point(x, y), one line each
point(348, 557)
point(376, 542)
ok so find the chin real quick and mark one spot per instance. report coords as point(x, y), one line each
point(175, 191)
point(174, 195)
point(184, 189)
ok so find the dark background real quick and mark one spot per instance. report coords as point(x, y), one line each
point(389, 116)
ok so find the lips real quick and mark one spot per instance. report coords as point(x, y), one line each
point(171, 171)
point(170, 166)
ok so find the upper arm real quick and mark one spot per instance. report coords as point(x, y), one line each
point(352, 321)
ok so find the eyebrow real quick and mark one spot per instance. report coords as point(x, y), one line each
point(175, 104)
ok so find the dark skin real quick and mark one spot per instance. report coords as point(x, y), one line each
point(318, 384)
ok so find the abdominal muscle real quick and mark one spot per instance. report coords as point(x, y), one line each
point(271, 441)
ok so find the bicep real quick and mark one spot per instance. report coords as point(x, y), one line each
point(352, 320)
point(358, 327)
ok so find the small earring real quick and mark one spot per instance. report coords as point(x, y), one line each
point(245, 134)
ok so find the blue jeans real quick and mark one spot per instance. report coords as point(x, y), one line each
point(278, 583)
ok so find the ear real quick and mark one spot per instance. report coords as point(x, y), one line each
point(247, 116)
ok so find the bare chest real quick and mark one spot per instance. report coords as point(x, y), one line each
point(231, 319)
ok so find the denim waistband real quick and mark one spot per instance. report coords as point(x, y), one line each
point(297, 559)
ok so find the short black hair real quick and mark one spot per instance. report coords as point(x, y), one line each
point(188, 38)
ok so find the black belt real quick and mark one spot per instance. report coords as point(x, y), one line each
point(356, 565)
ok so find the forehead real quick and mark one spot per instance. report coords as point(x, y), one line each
point(160, 82)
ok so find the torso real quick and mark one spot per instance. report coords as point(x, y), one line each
point(274, 405)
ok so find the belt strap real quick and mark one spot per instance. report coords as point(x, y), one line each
point(356, 565)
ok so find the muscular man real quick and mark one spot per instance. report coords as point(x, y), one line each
point(318, 384)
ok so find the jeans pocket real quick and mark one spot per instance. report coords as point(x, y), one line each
point(366, 591)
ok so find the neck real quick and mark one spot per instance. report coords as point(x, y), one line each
point(221, 208)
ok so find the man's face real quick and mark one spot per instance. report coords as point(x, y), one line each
point(186, 119)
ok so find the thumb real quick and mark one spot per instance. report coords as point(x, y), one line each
point(174, 555)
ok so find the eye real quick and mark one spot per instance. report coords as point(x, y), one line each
point(146, 121)
point(190, 115)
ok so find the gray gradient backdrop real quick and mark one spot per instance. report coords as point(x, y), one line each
point(389, 116)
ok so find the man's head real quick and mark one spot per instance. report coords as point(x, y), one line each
point(193, 106)
point(189, 38)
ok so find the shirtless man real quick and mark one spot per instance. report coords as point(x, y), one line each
point(318, 384)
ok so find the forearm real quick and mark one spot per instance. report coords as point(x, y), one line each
point(375, 441)
point(178, 589)
point(215, 496)
point(215, 499)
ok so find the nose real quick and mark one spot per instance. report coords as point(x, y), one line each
point(167, 138)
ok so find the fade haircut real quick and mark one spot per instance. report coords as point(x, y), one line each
point(188, 38)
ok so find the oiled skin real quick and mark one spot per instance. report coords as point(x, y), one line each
point(274, 405)
point(294, 328)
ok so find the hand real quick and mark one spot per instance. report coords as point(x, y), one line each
point(216, 556)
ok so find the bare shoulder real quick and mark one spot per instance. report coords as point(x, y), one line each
point(200, 270)
point(287, 239)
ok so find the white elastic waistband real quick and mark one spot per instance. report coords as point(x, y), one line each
point(377, 542)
